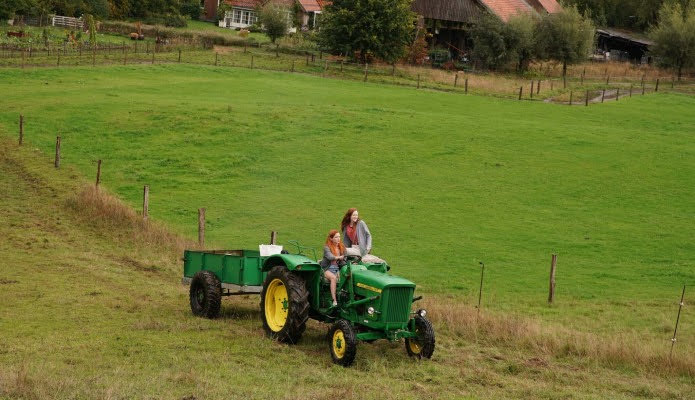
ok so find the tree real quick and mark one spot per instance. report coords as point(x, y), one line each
point(381, 28)
point(520, 39)
point(567, 36)
point(275, 20)
point(674, 37)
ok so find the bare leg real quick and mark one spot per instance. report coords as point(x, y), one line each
point(331, 277)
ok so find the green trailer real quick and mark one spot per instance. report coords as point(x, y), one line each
point(372, 303)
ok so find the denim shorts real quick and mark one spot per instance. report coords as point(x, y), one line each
point(333, 269)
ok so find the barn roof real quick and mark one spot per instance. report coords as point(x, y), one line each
point(309, 5)
point(545, 6)
point(448, 10)
point(506, 8)
point(255, 3)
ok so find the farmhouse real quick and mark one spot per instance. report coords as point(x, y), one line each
point(448, 21)
point(620, 45)
point(243, 13)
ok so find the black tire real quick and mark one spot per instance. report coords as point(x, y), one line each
point(289, 328)
point(205, 294)
point(423, 345)
point(342, 343)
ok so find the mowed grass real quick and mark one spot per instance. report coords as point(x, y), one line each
point(92, 308)
point(443, 180)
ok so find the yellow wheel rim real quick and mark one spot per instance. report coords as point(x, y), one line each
point(414, 347)
point(276, 305)
point(338, 343)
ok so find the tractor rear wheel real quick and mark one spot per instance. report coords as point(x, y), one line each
point(284, 305)
point(205, 294)
point(421, 346)
point(343, 343)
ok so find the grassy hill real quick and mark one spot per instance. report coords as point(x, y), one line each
point(443, 180)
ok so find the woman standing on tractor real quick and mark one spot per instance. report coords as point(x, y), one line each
point(333, 259)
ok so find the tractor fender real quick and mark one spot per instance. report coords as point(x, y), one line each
point(293, 262)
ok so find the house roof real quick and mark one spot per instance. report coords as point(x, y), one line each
point(309, 5)
point(625, 35)
point(545, 6)
point(506, 8)
point(448, 10)
point(251, 4)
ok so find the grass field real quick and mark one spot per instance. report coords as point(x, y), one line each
point(444, 181)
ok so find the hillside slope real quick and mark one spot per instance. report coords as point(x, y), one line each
point(92, 308)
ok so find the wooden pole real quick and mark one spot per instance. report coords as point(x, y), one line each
point(586, 100)
point(153, 58)
point(292, 65)
point(273, 237)
point(571, 93)
point(418, 81)
point(538, 87)
point(564, 81)
point(307, 59)
point(201, 227)
point(521, 89)
point(656, 89)
point(466, 87)
point(21, 129)
point(98, 173)
point(581, 80)
point(617, 94)
point(680, 307)
point(673, 81)
point(145, 202)
point(631, 89)
point(57, 158)
point(531, 93)
point(608, 78)
point(603, 95)
point(551, 289)
point(480, 291)
point(179, 55)
point(341, 65)
point(456, 79)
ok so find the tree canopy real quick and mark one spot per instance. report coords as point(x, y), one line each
point(497, 44)
point(567, 36)
point(674, 37)
point(275, 20)
point(379, 28)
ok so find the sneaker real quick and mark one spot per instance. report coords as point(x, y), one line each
point(335, 303)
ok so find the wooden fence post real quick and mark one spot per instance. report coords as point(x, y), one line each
point(617, 94)
point(551, 289)
point(673, 81)
point(521, 89)
point(201, 227)
point(586, 100)
point(571, 93)
point(538, 87)
point(57, 158)
point(466, 87)
point(216, 58)
point(531, 93)
point(603, 95)
point(656, 89)
point(418, 81)
point(642, 88)
point(179, 55)
point(456, 79)
point(58, 62)
point(608, 78)
point(145, 202)
point(292, 65)
point(551, 85)
point(21, 129)
point(273, 237)
point(341, 65)
point(564, 81)
point(307, 59)
point(153, 58)
point(675, 331)
point(98, 173)
point(631, 89)
point(480, 291)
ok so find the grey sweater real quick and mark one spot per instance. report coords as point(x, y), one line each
point(328, 258)
point(364, 238)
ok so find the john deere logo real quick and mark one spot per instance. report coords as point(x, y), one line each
point(372, 288)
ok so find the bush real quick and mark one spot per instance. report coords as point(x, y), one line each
point(191, 8)
point(175, 20)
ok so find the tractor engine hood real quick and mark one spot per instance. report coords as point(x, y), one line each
point(374, 282)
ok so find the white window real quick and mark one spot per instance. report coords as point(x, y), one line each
point(237, 16)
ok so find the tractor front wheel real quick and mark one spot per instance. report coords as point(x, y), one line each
point(284, 305)
point(205, 294)
point(343, 343)
point(421, 346)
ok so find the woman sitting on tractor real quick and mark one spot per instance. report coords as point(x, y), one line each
point(357, 238)
point(333, 259)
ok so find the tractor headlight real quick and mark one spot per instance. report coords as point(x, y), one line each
point(370, 311)
point(422, 312)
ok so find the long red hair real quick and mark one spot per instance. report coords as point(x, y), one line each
point(346, 218)
point(338, 250)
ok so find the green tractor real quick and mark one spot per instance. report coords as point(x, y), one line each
point(372, 304)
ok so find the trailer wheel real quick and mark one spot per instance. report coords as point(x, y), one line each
point(423, 345)
point(284, 305)
point(343, 343)
point(206, 294)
